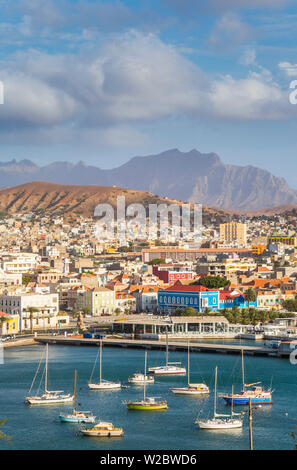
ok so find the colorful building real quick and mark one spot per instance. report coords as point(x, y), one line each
point(200, 298)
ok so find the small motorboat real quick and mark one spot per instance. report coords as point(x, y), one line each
point(102, 429)
point(140, 379)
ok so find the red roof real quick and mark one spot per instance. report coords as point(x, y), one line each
point(195, 288)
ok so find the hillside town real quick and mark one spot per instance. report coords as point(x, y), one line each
point(56, 273)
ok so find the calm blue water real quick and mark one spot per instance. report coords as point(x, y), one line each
point(174, 429)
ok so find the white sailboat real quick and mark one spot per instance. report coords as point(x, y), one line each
point(219, 421)
point(102, 384)
point(49, 397)
point(77, 416)
point(191, 389)
point(171, 368)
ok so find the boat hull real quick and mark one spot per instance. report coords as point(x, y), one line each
point(187, 391)
point(112, 433)
point(105, 386)
point(147, 407)
point(245, 400)
point(76, 419)
point(219, 425)
point(48, 401)
point(168, 371)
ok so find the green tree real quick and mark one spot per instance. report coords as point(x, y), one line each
point(250, 295)
point(212, 282)
point(157, 261)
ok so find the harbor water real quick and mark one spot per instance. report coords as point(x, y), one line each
point(39, 428)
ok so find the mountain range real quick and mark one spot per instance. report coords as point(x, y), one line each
point(185, 176)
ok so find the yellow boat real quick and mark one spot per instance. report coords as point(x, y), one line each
point(103, 429)
point(148, 403)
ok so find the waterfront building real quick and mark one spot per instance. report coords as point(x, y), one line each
point(96, 301)
point(45, 305)
point(155, 327)
point(9, 324)
point(199, 297)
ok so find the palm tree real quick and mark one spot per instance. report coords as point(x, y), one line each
point(32, 310)
point(250, 296)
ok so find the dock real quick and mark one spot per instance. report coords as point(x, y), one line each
point(159, 345)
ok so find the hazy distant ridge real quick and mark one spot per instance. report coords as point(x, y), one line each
point(190, 176)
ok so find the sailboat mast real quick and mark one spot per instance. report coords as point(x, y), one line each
point(75, 375)
point(242, 367)
point(188, 364)
point(232, 402)
point(100, 366)
point(46, 360)
point(144, 388)
point(215, 393)
point(166, 347)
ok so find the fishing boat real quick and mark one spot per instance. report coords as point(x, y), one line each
point(49, 397)
point(258, 395)
point(148, 403)
point(191, 388)
point(77, 416)
point(102, 384)
point(170, 368)
point(219, 421)
point(102, 429)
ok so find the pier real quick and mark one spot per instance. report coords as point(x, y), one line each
point(174, 345)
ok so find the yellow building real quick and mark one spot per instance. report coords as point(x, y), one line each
point(284, 239)
point(233, 232)
point(9, 324)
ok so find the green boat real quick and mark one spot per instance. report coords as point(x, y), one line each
point(148, 403)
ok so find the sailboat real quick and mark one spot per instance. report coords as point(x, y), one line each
point(77, 416)
point(171, 368)
point(102, 384)
point(256, 392)
point(148, 403)
point(48, 397)
point(219, 421)
point(191, 389)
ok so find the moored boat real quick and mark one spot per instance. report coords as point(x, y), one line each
point(147, 403)
point(219, 421)
point(139, 379)
point(102, 385)
point(170, 368)
point(254, 391)
point(191, 389)
point(77, 416)
point(103, 429)
point(48, 397)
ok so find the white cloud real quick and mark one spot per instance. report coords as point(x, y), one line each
point(288, 68)
point(133, 79)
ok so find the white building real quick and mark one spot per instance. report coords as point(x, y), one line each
point(47, 306)
point(19, 263)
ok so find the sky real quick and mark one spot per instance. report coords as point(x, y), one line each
point(102, 81)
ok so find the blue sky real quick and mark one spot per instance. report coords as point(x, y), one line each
point(102, 81)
